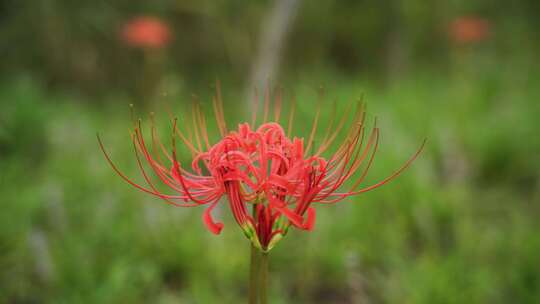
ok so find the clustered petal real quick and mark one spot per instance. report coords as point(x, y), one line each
point(270, 180)
point(146, 32)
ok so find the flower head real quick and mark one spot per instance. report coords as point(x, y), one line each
point(469, 29)
point(270, 180)
point(146, 32)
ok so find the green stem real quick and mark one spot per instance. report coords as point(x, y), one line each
point(263, 293)
point(253, 271)
point(253, 275)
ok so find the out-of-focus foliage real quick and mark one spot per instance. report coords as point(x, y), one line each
point(76, 45)
point(460, 226)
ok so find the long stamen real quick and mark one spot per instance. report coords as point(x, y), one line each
point(277, 106)
point(255, 108)
point(395, 174)
point(129, 181)
point(315, 120)
point(328, 128)
point(313, 130)
point(266, 102)
point(200, 121)
point(195, 127)
point(217, 102)
point(291, 116)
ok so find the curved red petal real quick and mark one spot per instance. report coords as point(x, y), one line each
point(310, 221)
point(214, 227)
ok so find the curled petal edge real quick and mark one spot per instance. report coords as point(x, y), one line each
point(214, 227)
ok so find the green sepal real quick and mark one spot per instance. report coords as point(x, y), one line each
point(251, 234)
point(275, 239)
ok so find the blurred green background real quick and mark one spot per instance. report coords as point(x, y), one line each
point(460, 226)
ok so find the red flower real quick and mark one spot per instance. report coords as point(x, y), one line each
point(469, 29)
point(279, 177)
point(146, 32)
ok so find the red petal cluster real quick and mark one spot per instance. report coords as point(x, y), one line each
point(271, 181)
point(469, 29)
point(146, 32)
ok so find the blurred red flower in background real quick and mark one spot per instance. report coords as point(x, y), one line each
point(469, 29)
point(146, 32)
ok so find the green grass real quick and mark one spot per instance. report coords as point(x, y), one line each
point(460, 226)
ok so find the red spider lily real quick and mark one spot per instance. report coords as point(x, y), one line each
point(146, 32)
point(469, 29)
point(262, 167)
